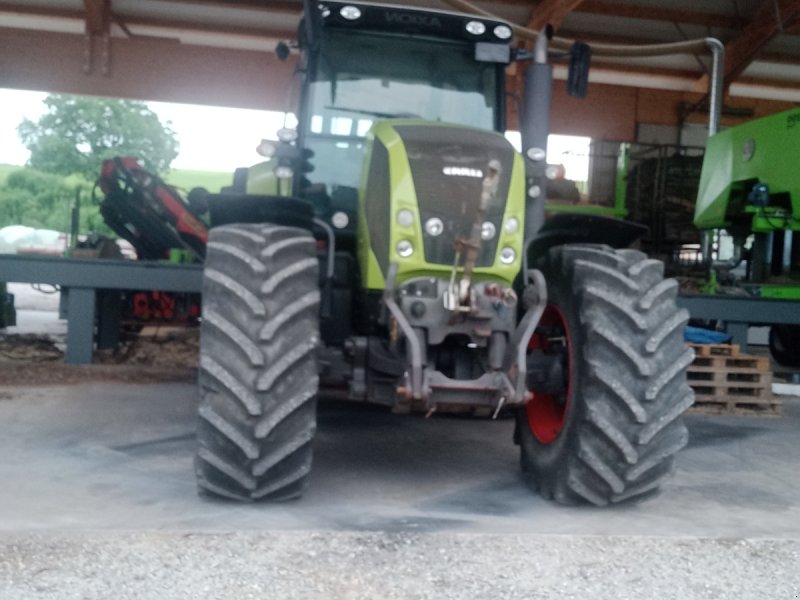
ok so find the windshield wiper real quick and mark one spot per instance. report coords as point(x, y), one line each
point(375, 113)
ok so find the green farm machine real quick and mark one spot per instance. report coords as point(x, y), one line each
point(750, 189)
point(394, 249)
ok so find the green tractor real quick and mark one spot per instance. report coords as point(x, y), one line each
point(394, 249)
point(749, 188)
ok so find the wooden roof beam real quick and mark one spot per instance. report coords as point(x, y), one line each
point(98, 16)
point(292, 7)
point(659, 13)
point(771, 19)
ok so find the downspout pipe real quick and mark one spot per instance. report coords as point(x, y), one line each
point(534, 126)
point(715, 83)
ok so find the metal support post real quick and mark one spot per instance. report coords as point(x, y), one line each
point(80, 327)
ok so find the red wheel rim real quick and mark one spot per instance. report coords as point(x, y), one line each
point(547, 413)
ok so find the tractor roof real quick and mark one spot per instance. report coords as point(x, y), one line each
point(403, 19)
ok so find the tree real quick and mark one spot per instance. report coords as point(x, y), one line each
point(44, 201)
point(78, 133)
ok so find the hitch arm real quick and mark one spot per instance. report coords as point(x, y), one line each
point(535, 297)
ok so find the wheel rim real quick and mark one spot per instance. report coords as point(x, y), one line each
point(547, 413)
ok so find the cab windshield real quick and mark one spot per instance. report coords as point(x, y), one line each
point(362, 77)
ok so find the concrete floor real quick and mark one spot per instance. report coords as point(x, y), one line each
point(98, 501)
point(110, 456)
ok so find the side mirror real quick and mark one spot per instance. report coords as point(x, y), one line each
point(580, 57)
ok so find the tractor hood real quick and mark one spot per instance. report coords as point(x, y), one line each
point(421, 196)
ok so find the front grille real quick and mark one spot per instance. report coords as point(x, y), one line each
point(447, 167)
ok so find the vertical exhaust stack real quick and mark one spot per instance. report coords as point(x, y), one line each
point(534, 127)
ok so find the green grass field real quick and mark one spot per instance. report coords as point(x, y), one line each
point(187, 179)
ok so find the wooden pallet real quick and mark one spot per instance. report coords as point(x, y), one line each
point(715, 349)
point(726, 381)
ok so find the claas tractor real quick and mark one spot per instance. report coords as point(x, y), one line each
point(395, 249)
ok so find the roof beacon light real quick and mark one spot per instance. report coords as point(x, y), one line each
point(502, 32)
point(350, 12)
point(476, 28)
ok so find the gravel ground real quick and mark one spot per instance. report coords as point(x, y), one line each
point(161, 565)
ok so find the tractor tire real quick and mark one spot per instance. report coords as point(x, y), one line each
point(258, 367)
point(784, 344)
point(612, 434)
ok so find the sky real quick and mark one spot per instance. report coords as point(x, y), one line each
point(223, 139)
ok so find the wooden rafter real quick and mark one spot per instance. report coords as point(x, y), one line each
point(98, 16)
point(81, 15)
point(771, 19)
point(551, 12)
point(658, 13)
point(294, 7)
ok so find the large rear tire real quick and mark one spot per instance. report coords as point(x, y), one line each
point(258, 368)
point(612, 433)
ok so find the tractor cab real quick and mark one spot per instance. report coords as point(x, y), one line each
point(367, 63)
point(364, 63)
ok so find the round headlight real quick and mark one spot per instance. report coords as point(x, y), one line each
point(405, 248)
point(512, 225)
point(551, 172)
point(488, 231)
point(340, 220)
point(351, 13)
point(405, 218)
point(476, 28)
point(534, 191)
point(434, 226)
point(287, 135)
point(266, 148)
point(502, 31)
point(507, 255)
point(283, 172)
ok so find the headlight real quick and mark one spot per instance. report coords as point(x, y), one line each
point(476, 28)
point(434, 226)
point(507, 255)
point(266, 148)
point(351, 13)
point(340, 220)
point(502, 31)
point(405, 248)
point(488, 231)
point(283, 172)
point(512, 225)
point(287, 135)
point(405, 218)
